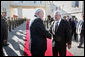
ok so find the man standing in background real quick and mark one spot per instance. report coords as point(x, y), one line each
point(75, 34)
point(82, 32)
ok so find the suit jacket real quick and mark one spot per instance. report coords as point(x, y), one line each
point(38, 35)
point(63, 34)
point(72, 25)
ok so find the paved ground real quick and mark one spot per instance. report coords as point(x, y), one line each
point(16, 40)
point(76, 51)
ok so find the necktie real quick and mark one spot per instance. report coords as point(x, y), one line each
point(56, 27)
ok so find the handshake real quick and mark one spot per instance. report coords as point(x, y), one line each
point(58, 39)
point(69, 46)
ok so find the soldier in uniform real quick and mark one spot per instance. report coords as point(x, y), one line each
point(16, 22)
point(2, 36)
point(6, 29)
point(9, 22)
point(13, 23)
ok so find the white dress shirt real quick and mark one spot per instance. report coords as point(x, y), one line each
point(55, 22)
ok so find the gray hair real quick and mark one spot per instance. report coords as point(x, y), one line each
point(58, 12)
point(38, 10)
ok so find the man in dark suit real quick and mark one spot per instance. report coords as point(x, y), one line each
point(64, 18)
point(61, 35)
point(38, 35)
point(73, 25)
point(75, 34)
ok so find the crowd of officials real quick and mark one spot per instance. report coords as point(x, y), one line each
point(61, 31)
point(7, 25)
point(77, 27)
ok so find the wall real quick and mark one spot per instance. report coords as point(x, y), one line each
point(5, 5)
point(67, 6)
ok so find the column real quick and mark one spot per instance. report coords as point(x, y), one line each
point(20, 12)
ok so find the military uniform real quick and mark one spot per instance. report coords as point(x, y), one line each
point(6, 32)
point(13, 24)
point(2, 36)
point(10, 24)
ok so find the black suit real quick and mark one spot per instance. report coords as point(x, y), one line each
point(38, 35)
point(73, 29)
point(61, 37)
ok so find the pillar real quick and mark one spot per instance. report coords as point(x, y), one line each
point(20, 12)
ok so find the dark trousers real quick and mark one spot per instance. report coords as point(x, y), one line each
point(6, 35)
point(1, 48)
point(13, 26)
point(38, 54)
point(61, 50)
point(10, 27)
point(1, 52)
point(75, 36)
point(72, 32)
point(81, 39)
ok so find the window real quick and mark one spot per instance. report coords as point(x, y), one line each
point(22, 1)
point(40, 2)
point(34, 2)
point(75, 4)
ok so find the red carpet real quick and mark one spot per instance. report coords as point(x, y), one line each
point(49, 45)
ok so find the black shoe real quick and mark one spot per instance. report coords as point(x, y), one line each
point(80, 47)
point(5, 44)
point(10, 31)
